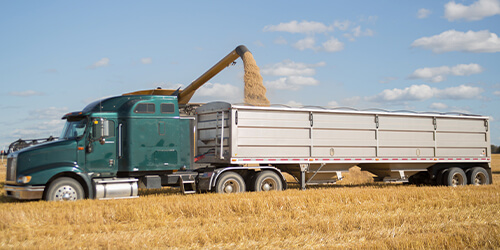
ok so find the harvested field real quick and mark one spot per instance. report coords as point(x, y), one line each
point(351, 215)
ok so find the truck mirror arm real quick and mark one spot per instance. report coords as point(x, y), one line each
point(89, 147)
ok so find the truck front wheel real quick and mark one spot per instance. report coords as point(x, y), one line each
point(230, 182)
point(65, 189)
point(267, 181)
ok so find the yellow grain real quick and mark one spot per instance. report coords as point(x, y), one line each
point(254, 91)
point(339, 216)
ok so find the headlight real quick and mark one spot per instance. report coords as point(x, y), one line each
point(24, 179)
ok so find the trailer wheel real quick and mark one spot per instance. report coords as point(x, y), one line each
point(267, 181)
point(230, 182)
point(455, 177)
point(65, 189)
point(478, 176)
point(440, 177)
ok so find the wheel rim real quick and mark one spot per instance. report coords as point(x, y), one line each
point(268, 184)
point(231, 186)
point(457, 180)
point(480, 179)
point(66, 193)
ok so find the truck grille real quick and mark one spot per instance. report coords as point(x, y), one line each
point(11, 170)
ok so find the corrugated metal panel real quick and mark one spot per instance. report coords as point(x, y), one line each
point(269, 132)
point(408, 123)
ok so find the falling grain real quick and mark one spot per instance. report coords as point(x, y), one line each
point(255, 92)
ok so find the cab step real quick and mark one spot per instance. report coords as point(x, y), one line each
point(187, 186)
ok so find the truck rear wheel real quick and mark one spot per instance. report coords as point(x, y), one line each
point(267, 181)
point(478, 176)
point(230, 182)
point(65, 189)
point(454, 177)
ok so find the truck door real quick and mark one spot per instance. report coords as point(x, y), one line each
point(101, 147)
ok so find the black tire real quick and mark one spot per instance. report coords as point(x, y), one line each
point(440, 177)
point(478, 176)
point(454, 177)
point(230, 182)
point(267, 181)
point(65, 189)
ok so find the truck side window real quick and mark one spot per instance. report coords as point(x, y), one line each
point(167, 108)
point(145, 108)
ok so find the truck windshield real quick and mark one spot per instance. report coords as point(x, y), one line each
point(74, 128)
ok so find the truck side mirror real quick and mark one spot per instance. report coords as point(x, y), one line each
point(105, 128)
point(100, 128)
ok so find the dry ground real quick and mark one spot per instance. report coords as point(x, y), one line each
point(342, 216)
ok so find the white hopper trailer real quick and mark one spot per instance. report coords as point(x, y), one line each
point(316, 145)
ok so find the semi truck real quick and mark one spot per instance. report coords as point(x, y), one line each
point(117, 145)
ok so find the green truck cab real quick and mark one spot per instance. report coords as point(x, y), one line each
point(108, 150)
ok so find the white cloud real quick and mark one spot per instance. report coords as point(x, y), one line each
point(101, 63)
point(26, 93)
point(438, 105)
point(306, 43)
point(342, 25)
point(27, 133)
point(306, 27)
point(476, 11)
point(311, 28)
point(146, 60)
point(291, 82)
point(294, 104)
point(37, 129)
point(333, 104)
point(281, 41)
point(48, 113)
point(388, 79)
point(51, 127)
point(296, 74)
point(351, 101)
point(414, 92)
point(259, 43)
point(423, 13)
point(291, 68)
point(425, 92)
point(496, 93)
point(460, 92)
point(333, 45)
point(438, 74)
point(357, 32)
point(217, 91)
point(476, 42)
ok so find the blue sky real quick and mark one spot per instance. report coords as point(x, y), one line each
point(58, 56)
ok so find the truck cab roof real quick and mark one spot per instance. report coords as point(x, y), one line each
point(126, 105)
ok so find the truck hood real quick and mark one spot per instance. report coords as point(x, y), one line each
point(46, 156)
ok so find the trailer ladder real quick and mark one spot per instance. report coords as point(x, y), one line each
point(219, 137)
